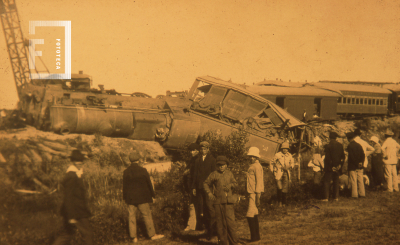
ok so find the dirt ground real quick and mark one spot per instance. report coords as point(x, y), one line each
point(371, 220)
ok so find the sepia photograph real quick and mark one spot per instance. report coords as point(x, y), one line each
point(199, 122)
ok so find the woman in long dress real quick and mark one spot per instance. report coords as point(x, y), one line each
point(377, 163)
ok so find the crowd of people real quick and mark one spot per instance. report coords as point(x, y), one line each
point(380, 172)
point(212, 186)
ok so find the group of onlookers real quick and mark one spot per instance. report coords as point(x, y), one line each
point(211, 185)
point(328, 166)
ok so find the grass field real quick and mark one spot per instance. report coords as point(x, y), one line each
point(372, 220)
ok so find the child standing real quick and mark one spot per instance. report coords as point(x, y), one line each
point(218, 187)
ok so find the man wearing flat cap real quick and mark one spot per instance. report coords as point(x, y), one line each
point(138, 192)
point(333, 162)
point(355, 160)
point(75, 209)
point(218, 187)
point(390, 149)
point(204, 165)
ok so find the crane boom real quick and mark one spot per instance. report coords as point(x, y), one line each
point(16, 47)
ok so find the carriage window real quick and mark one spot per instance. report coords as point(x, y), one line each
point(353, 101)
point(365, 101)
point(344, 100)
point(348, 100)
point(373, 101)
point(357, 101)
point(369, 101)
point(339, 100)
point(361, 101)
point(384, 102)
point(381, 101)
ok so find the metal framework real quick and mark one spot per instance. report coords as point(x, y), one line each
point(15, 43)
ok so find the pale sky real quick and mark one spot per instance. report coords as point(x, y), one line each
point(153, 46)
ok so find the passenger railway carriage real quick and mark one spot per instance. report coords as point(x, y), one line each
point(328, 100)
point(318, 103)
point(394, 97)
point(359, 99)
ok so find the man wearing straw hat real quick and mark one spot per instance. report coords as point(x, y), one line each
point(255, 186)
point(280, 166)
point(390, 148)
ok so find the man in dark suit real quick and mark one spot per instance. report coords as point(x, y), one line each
point(74, 209)
point(356, 160)
point(334, 159)
point(188, 177)
point(138, 192)
point(205, 164)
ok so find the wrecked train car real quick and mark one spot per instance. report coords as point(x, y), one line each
point(211, 104)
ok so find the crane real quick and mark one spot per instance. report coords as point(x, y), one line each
point(16, 47)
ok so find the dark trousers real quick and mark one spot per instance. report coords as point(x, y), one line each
point(205, 213)
point(226, 225)
point(68, 232)
point(377, 169)
point(328, 178)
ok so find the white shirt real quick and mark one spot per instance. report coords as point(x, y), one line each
point(317, 162)
point(78, 172)
point(366, 147)
point(390, 148)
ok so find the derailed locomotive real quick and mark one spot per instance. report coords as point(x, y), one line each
point(211, 104)
point(72, 106)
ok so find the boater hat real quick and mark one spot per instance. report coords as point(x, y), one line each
point(374, 139)
point(389, 132)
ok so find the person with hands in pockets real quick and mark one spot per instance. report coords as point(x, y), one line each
point(75, 209)
point(218, 187)
point(255, 186)
point(280, 166)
